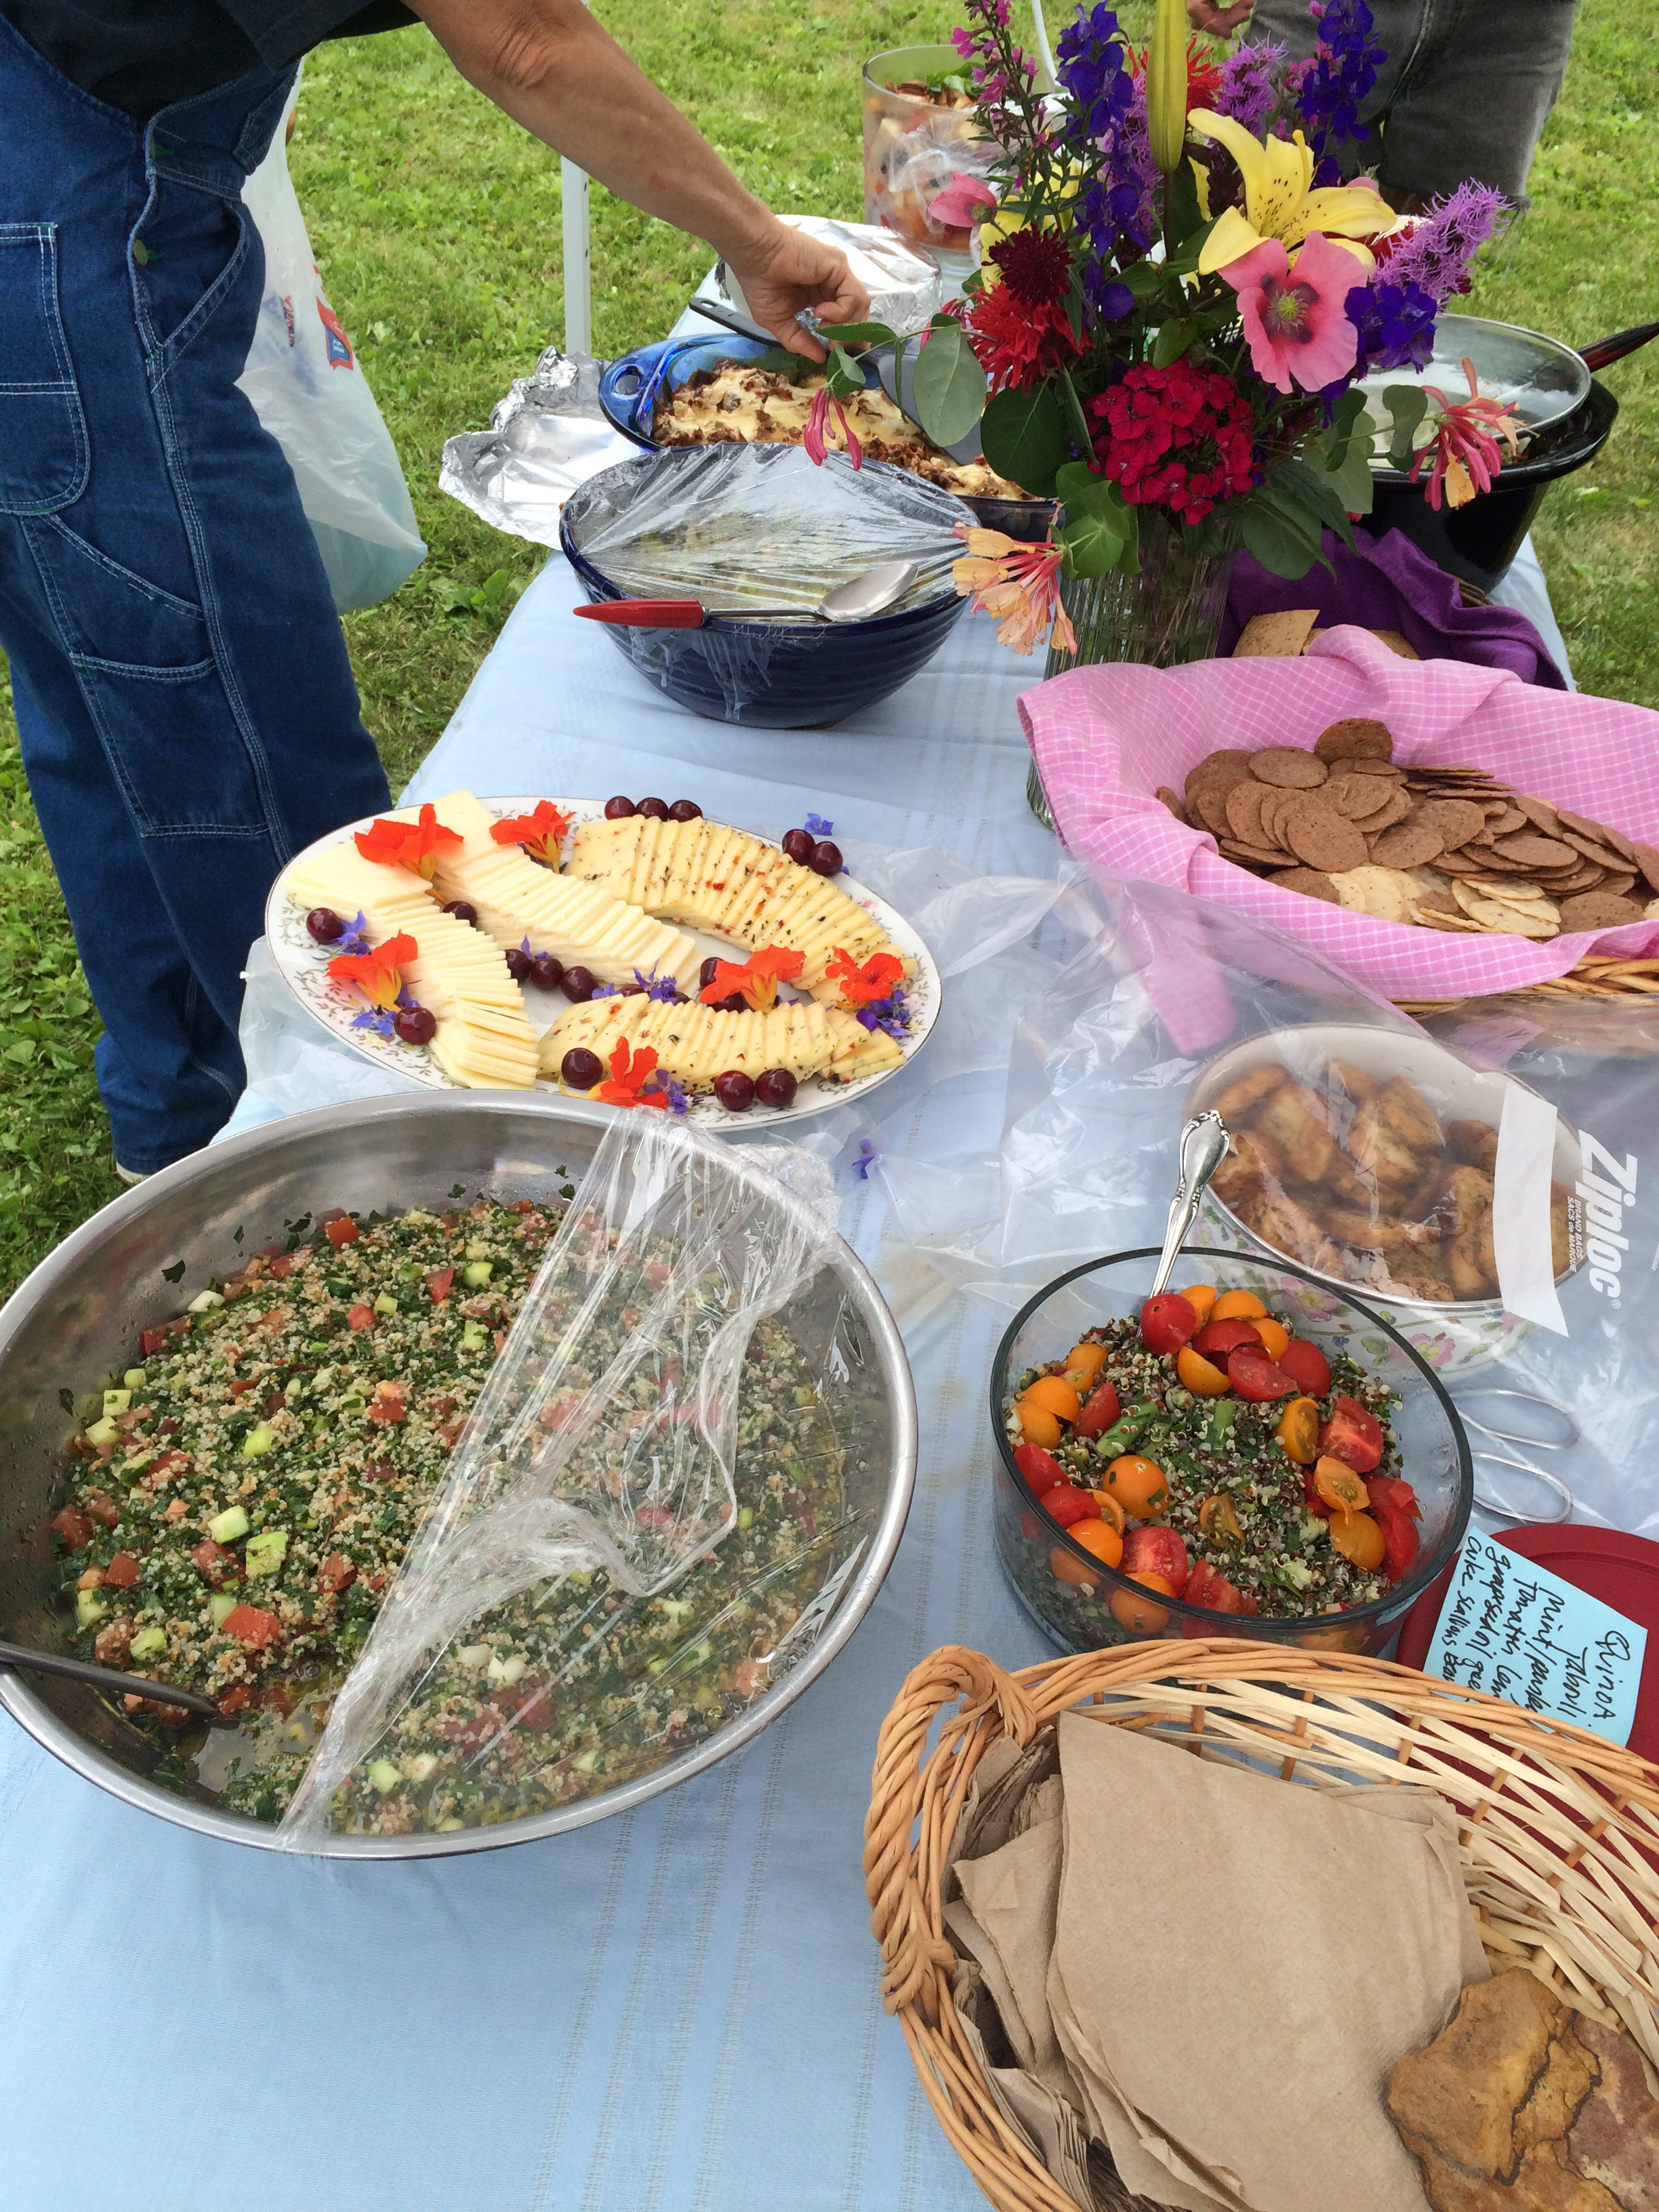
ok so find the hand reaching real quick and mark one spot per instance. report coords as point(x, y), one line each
point(1219, 22)
point(787, 271)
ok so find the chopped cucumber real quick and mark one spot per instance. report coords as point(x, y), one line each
point(586, 1762)
point(102, 1432)
point(421, 1765)
point(204, 1302)
point(745, 1516)
point(505, 1670)
point(384, 1776)
point(135, 1378)
point(116, 1401)
point(448, 1827)
point(476, 1250)
point(1313, 1529)
point(473, 1656)
point(221, 1605)
point(149, 1642)
point(475, 1274)
point(225, 1527)
point(266, 1552)
point(385, 1304)
point(1294, 1574)
point(472, 1336)
point(258, 1442)
point(89, 1608)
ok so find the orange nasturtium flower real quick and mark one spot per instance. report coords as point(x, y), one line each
point(628, 1071)
point(868, 985)
point(378, 974)
point(756, 978)
point(411, 845)
point(541, 833)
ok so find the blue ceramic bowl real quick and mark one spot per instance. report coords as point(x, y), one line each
point(774, 675)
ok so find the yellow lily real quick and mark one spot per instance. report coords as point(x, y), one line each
point(1279, 200)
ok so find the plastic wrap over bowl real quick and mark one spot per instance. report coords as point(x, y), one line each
point(77, 1315)
point(1075, 1609)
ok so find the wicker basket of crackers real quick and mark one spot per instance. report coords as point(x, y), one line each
point(1426, 1972)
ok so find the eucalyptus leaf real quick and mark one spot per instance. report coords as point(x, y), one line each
point(1280, 549)
point(778, 361)
point(1077, 423)
point(859, 334)
point(1144, 278)
point(1407, 404)
point(1102, 530)
point(844, 375)
point(1314, 490)
point(1172, 341)
point(1024, 435)
point(1345, 421)
point(948, 387)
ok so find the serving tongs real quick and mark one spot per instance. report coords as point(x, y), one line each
point(22, 1656)
point(1203, 1148)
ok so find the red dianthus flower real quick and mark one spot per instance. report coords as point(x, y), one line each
point(1177, 437)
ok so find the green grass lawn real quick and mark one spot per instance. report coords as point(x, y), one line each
point(437, 224)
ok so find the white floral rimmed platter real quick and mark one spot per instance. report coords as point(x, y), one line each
point(303, 966)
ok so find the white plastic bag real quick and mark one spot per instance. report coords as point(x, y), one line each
point(307, 389)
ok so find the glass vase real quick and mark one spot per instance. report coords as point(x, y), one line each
point(1169, 613)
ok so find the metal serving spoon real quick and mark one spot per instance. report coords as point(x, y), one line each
point(104, 1677)
point(1203, 1148)
point(858, 599)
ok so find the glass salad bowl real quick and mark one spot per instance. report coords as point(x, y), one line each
point(1083, 1604)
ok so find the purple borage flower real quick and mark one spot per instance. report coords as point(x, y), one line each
point(353, 939)
point(816, 826)
point(889, 1014)
point(865, 1158)
point(381, 1023)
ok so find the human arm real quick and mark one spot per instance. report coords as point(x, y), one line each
point(550, 66)
point(1219, 22)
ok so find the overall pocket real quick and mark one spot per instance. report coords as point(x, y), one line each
point(44, 456)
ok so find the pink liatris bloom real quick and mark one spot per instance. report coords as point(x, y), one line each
point(1018, 584)
point(818, 422)
point(1465, 451)
point(1296, 313)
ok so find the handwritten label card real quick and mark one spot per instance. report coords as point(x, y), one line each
point(1520, 1632)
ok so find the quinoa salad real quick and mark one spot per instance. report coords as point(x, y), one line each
point(242, 1498)
point(1217, 1459)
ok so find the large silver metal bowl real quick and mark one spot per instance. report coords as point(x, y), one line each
point(80, 1311)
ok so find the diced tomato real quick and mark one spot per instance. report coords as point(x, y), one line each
point(74, 1528)
point(103, 1508)
point(536, 1713)
point(340, 1231)
point(122, 1572)
point(336, 1572)
point(1205, 1587)
point(249, 1625)
point(387, 1406)
point(1167, 1323)
point(439, 1282)
point(1217, 1338)
point(234, 1701)
point(378, 1581)
point(380, 1470)
point(361, 1316)
point(1156, 1551)
point(1068, 1504)
point(559, 1413)
point(1307, 1365)
point(275, 1700)
point(111, 1645)
point(1353, 1435)
point(152, 1340)
point(451, 1432)
point(1100, 1410)
point(241, 1387)
point(1257, 1378)
point(281, 1267)
point(1040, 1468)
point(164, 1467)
point(217, 1566)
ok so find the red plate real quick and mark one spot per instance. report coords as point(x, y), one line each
point(1622, 1570)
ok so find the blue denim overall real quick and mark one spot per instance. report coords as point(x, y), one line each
point(186, 708)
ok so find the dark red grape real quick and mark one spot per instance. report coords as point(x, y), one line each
point(826, 858)
point(706, 972)
point(775, 1088)
point(654, 810)
point(546, 971)
point(577, 984)
point(414, 1024)
point(323, 924)
point(798, 844)
point(735, 1090)
point(580, 1069)
point(461, 910)
point(736, 1004)
point(685, 809)
point(618, 808)
point(518, 964)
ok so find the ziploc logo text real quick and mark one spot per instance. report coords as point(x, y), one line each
point(338, 345)
point(1606, 1187)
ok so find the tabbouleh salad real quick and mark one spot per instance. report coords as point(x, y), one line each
point(247, 1494)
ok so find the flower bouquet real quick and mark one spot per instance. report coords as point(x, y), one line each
point(1178, 298)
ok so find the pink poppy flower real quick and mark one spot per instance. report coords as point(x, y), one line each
point(965, 200)
point(1296, 313)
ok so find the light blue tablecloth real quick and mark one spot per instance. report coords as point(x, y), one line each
point(672, 2012)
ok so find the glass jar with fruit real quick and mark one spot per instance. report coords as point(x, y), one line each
point(921, 129)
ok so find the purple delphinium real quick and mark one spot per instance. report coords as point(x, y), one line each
point(1440, 253)
point(1249, 91)
point(1344, 72)
point(1091, 65)
point(1396, 324)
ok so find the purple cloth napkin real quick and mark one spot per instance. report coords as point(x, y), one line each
point(1388, 583)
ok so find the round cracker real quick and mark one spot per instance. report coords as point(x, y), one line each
point(1539, 813)
point(1530, 849)
point(1172, 800)
point(1288, 767)
point(1310, 882)
point(1355, 738)
point(1244, 804)
point(1457, 820)
point(1596, 910)
point(1408, 845)
point(1647, 859)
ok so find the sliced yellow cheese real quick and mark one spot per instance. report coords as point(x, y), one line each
point(695, 1044)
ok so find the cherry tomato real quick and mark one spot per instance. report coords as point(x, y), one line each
point(1101, 1538)
point(1340, 1487)
point(1138, 1613)
point(1083, 1364)
point(1398, 1542)
point(1299, 1431)
point(1167, 1323)
point(1098, 1415)
point(1359, 1538)
point(1154, 1551)
point(1038, 1427)
point(1217, 1517)
point(1384, 1490)
point(1138, 1486)
point(1310, 1497)
point(1054, 1394)
point(1308, 1364)
point(1109, 1510)
point(1040, 1469)
point(1256, 1377)
point(1200, 1297)
point(1198, 1375)
point(1238, 1305)
point(1068, 1503)
point(1212, 1590)
point(1066, 1569)
point(1274, 1334)
point(1217, 1338)
point(1353, 1435)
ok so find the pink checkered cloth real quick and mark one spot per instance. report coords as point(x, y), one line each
point(1105, 738)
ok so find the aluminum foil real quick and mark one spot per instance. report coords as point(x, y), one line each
point(546, 437)
point(906, 284)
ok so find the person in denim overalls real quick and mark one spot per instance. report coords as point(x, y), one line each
point(185, 705)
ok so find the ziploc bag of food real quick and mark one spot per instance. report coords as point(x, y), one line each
point(532, 1621)
point(758, 525)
